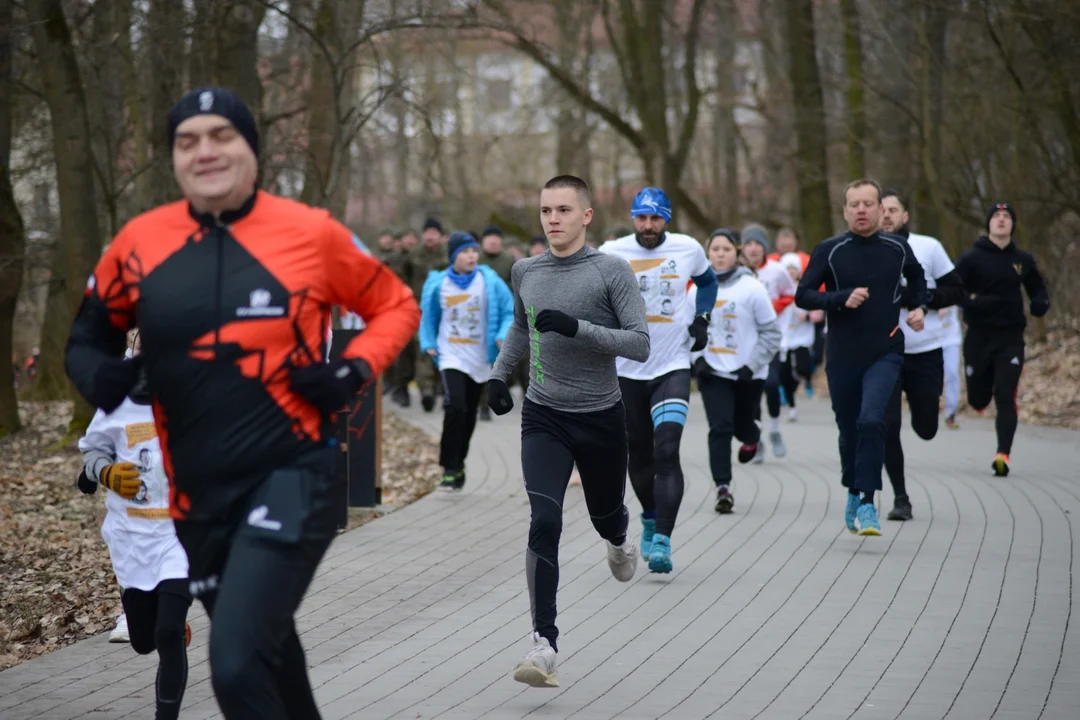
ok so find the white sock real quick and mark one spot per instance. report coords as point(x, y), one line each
point(774, 424)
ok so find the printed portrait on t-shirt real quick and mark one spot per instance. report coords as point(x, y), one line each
point(667, 308)
point(145, 461)
point(142, 497)
point(730, 342)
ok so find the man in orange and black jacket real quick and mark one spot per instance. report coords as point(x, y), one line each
point(232, 290)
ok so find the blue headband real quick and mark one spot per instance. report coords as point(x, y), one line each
point(652, 201)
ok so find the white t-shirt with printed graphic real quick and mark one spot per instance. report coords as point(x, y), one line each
point(462, 339)
point(935, 263)
point(795, 332)
point(663, 275)
point(952, 334)
point(139, 532)
point(739, 311)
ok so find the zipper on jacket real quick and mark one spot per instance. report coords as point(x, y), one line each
point(219, 234)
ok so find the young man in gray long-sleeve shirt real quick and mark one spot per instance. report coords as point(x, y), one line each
point(575, 311)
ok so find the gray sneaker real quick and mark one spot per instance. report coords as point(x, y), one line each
point(778, 448)
point(622, 559)
point(537, 668)
point(759, 456)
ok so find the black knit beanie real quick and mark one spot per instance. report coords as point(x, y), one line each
point(1000, 206)
point(216, 101)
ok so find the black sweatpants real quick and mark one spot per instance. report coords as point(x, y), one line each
point(156, 621)
point(462, 395)
point(251, 571)
point(656, 413)
point(794, 367)
point(860, 399)
point(729, 409)
point(922, 379)
point(994, 361)
point(552, 442)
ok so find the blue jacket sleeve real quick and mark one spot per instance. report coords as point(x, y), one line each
point(431, 311)
point(707, 287)
point(505, 302)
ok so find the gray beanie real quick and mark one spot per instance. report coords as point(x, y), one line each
point(756, 233)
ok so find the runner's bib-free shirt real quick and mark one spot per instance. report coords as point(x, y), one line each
point(462, 341)
point(663, 276)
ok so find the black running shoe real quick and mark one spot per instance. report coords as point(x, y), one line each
point(901, 510)
point(725, 501)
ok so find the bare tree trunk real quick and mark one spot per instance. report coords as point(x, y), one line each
point(80, 236)
point(894, 125)
point(201, 57)
point(724, 121)
point(856, 103)
point(133, 100)
point(235, 60)
point(933, 26)
point(106, 108)
point(12, 245)
point(167, 60)
point(322, 115)
point(811, 158)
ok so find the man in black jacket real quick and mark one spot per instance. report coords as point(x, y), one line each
point(863, 271)
point(992, 272)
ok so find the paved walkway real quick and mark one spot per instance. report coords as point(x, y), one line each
point(773, 612)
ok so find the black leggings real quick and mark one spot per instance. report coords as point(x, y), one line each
point(251, 572)
point(656, 413)
point(795, 367)
point(552, 442)
point(729, 409)
point(772, 389)
point(995, 361)
point(156, 621)
point(459, 418)
point(922, 378)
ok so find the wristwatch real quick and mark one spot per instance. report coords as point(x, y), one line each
point(707, 316)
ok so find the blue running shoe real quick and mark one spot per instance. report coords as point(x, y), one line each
point(869, 525)
point(851, 512)
point(809, 391)
point(660, 559)
point(648, 528)
point(783, 396)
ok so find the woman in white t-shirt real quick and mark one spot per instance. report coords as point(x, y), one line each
point(797, 338)
point(121, 452)
point(731, 370)
point(466, 312)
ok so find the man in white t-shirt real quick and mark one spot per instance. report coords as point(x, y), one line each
point(921, 375)
point(656, 393)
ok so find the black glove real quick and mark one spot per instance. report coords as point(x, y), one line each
point(744, 374)
point(499, 398)
point(1040, 306)
point(330, 387)
point(702, 367)
point(86, 485)
point(699, 330)
point(113, 381)
point(556, 321)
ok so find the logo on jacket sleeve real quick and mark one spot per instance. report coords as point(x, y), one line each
point(259, 305)
point(1019, 268)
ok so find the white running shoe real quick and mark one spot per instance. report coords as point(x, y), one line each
point(792, 414)
point(537, 668)
point(622, 559)
point(120, 632)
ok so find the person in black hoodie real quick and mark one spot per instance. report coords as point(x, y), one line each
point(862, 270)
point(993, 271)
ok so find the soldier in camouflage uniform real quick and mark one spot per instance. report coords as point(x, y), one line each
point(400, 261)
point(430, 255)
point(501, 261)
